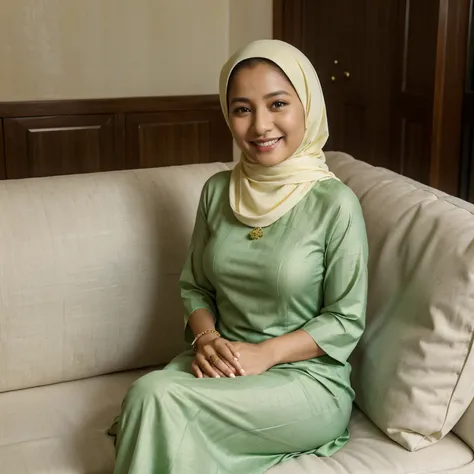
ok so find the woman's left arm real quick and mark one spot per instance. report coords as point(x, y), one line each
point(341, 322)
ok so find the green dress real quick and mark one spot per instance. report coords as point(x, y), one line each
point(309, 271)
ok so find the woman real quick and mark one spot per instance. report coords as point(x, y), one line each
point(274, 289)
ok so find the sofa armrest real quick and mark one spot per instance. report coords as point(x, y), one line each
point(465, 426)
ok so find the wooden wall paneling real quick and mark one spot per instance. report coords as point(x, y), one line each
point(414, 88)
point(170, 138)
point(76, 136)
point(47, 146)
point(451, 61)
point(3, 174)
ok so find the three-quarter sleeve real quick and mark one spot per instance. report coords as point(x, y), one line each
point(341, 321)
point(196, 290)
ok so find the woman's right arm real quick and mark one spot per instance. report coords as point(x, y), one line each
point(198, 296)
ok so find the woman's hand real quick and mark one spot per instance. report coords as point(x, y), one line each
point(215, 358)
point(254, 358)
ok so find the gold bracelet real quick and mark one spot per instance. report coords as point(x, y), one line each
point(203, 333)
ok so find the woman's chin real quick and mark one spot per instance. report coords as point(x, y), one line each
point(265, 159)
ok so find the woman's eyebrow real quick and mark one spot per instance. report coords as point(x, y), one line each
point(268, 96)
point(273, 94)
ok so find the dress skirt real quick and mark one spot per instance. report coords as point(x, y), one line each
point(174, 423)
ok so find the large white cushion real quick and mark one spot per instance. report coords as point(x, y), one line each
point(89, 268)
point(414, 367)
point(61, 429)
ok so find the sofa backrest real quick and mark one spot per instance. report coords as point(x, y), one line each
point(89, 266)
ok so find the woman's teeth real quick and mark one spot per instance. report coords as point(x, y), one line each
point(269, 143)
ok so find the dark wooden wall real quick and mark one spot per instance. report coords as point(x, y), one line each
point(85, 136)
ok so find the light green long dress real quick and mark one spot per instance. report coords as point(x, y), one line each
point(309, 271)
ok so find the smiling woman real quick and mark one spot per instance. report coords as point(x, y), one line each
point(273, 313)
point(265, 113)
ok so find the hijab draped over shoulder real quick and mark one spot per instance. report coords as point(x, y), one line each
point(260, 195)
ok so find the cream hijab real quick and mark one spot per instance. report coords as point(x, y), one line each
point(260, 195)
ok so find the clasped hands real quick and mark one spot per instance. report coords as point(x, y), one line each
point(217, 357)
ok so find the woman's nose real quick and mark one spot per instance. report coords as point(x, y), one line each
point(262, 122)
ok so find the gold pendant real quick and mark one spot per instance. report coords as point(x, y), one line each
point(256, 233)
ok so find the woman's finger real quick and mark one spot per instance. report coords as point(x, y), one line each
point(220, 365)
point(219, 372)
point(214, 360)
point(232, 349)
point(196, 370)
point(226, 352)
point(206, 367)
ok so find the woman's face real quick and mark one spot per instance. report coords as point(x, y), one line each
point(265, 114)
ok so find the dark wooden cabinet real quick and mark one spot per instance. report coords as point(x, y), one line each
point(69, 137)
point(47, 146)
point(351, 44)
point(392, 72)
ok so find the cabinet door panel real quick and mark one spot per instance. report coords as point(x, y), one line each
point(351, 44)
point(176, 138)
point(47, 146)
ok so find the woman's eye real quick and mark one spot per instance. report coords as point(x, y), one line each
point(278, 104)
point(241, 110)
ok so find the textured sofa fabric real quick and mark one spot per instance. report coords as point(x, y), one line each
point(88, 286)
point(89, 266)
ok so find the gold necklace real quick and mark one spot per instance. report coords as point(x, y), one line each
point(256, 233)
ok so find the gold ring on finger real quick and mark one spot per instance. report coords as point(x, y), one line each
point(214, 358)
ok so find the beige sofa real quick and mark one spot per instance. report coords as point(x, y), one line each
point(88, 300)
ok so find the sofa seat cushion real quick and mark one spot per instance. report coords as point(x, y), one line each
point(369, 451)
point(61, 429)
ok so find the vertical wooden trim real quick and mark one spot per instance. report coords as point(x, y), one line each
point(406, 29)
point(278, 32)
point(451, 58)
point(439, 93)
point(3, 165)
point(466, 182)
point(120, 142)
